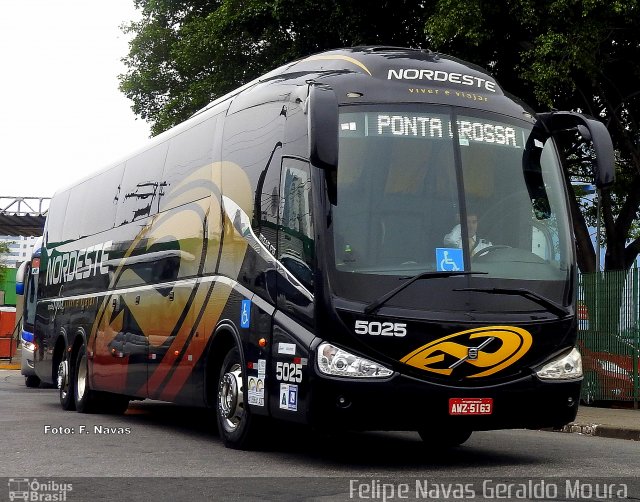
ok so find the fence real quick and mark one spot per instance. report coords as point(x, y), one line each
point(609, 335)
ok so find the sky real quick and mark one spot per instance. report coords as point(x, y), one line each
point(61, 113)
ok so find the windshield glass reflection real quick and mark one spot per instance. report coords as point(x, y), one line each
point(420, 190)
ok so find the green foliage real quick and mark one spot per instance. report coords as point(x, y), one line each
point(184, 54)
point(4, 249)
point(579, 55)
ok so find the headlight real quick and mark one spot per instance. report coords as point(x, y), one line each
point(29, 346)
point(337, 362)
point(566, 367)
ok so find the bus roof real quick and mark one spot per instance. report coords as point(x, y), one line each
point(363, 75)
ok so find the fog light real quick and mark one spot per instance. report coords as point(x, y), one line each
point(343, 402)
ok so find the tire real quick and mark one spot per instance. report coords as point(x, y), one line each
point(32, 381)
point(444, 438)
point(65, 377)
point(238, 428)
point(86, 400)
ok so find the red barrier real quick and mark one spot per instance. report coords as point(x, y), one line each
point(8, 344)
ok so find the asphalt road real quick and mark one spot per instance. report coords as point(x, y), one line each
point(158, 440)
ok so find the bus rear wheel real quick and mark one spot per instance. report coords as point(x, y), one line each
point(444, 438)
point(85, 398)
point(88, 400)
point(65, 388)
point(237, 426)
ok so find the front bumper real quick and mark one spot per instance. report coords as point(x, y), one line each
point(407, 403)
point(26, 361)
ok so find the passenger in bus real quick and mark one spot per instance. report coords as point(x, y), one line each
point(454, 238)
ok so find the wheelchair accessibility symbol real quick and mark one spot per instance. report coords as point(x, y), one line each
point(245, 314)
point(449, 259)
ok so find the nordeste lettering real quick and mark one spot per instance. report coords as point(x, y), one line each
point(73, 265)
point(442, 76)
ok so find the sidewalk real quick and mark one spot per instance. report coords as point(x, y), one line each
point(13, 365)
point(606, 422)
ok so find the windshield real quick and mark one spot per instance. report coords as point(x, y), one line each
point(416, 194)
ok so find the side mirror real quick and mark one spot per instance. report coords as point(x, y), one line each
point(604, 169)
point(323, 127)
point(20, 273)
point(584, 132)
point(604, 175)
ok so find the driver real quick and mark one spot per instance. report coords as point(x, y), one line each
point(454, 238)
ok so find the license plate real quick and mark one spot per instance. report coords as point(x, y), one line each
point(470, 406)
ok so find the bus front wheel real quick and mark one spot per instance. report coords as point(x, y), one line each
point(237, 426)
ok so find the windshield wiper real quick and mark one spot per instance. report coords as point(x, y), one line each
point(376, 304)
point(552, 306)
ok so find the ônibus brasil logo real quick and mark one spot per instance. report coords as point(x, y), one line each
point(34, 490)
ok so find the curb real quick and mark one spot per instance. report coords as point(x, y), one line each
point(605, 431)
point(9, 366)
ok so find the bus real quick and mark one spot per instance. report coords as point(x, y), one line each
point(281, 256)
point(27, 296)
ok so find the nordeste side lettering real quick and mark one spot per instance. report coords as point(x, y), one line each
point(74, 265)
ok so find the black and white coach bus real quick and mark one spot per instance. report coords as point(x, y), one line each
point(368, 238)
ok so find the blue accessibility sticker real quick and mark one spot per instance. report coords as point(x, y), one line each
point(449, 259)
point(293, 397)
point(245, 314)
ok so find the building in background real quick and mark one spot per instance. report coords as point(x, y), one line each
point(20, 249)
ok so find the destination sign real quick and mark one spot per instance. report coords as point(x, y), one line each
point(431, 126)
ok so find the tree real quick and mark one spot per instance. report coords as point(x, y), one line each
point(4, 249)
point(570, 54)
point(579, 55)
point(184, 53)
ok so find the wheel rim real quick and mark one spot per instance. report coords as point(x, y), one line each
point(81, 378)
point(63, 372)
point(231, 398)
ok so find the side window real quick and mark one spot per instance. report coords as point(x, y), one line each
point(297, 139)
point(187, 172)
point(55, 218)
point(296, 245)
point(92, 205)
point(142, 185)
point(253, 144)
point(252, 151)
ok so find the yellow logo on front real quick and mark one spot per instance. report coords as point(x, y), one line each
point(514, 343)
